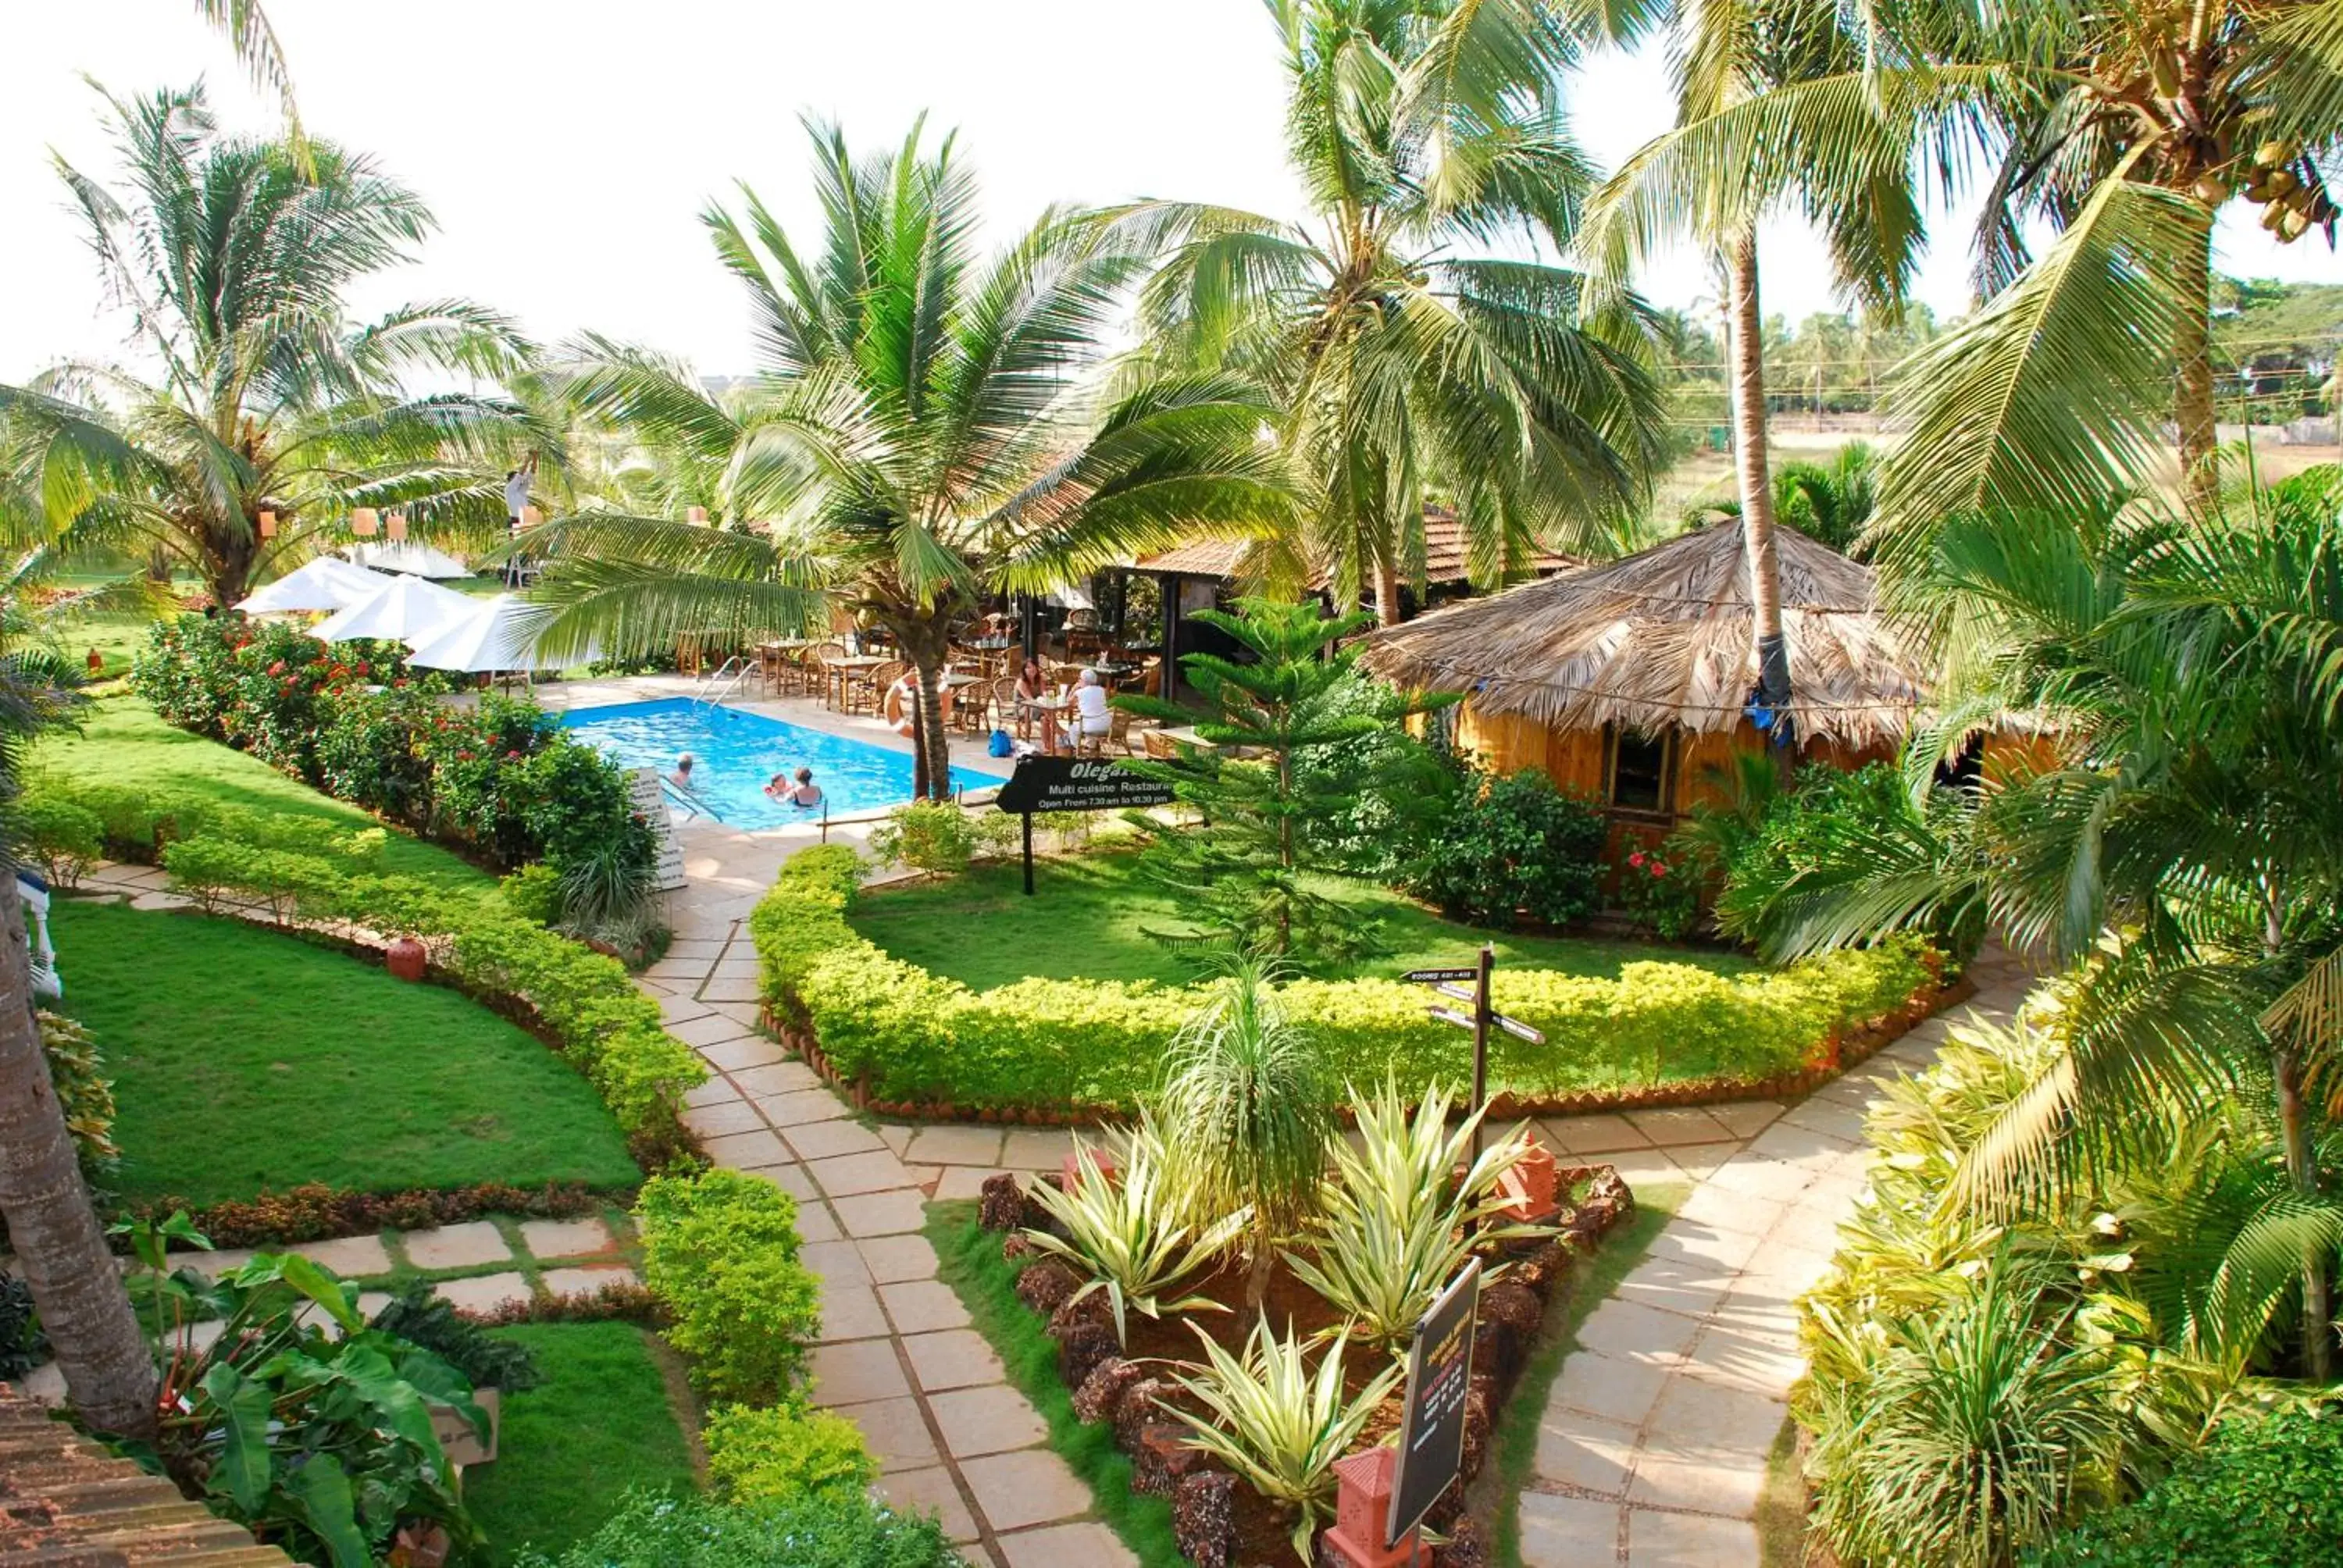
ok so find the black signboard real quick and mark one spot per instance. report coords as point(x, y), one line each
point(1078, 784)
point(1439, 1371)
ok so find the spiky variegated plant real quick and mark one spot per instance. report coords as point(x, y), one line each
point(924, 427)
point(1408, 366)
point(1138, 1234)
point(1394, 1223)
point(1277, 1421)
point(234, 262)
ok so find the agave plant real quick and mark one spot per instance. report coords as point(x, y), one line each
point(1277, 1423)
point(1131, 1232)
point(1393, 1224)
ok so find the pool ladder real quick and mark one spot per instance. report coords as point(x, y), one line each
point(725, 681)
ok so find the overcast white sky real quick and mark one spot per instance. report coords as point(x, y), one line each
point(566, 146)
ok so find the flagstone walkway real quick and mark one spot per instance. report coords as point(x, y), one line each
point(1653, 1446)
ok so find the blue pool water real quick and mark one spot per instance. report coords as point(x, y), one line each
point(737, 752)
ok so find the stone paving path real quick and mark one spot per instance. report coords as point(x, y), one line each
point(1652, 1448)
point(897, 1354)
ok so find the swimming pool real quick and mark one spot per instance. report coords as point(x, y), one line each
point(736, 752)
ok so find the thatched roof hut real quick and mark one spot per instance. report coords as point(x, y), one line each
point(1665, 639)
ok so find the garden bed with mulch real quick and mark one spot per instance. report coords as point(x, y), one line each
point(1124, 1393)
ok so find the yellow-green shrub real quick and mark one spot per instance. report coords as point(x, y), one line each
point(785, 1452)
point(721, 1251)
point(917, 1036)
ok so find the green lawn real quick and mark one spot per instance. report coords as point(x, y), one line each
point(1088, 917)
point(245, 1058)
point(121, 742)
point(600, 1423)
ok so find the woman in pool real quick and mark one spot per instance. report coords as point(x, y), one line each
point(805, 793)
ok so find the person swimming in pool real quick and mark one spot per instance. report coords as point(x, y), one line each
point(805, 794)
point(681, 777)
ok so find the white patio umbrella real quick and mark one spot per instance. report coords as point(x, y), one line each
point(329, 582)
point(411, 556)
point(407, 610)
point(502, 634)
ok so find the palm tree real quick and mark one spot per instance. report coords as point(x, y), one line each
point(1406, 365)
point(1726, 163)
point(2186, 849)
point(923, 430)
point(1254, 1106)
point(267, 399)
point(2128, 129)
point(250, 33)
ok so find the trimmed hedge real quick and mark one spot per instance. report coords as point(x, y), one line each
point(913, 1036)
point(720, 1253)
point(584, 1004)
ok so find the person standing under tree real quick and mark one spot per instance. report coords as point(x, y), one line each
point(516, 483)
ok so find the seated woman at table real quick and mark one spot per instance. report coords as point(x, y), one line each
point(1091, 714)
point(804, 793)
point(1033, 688)
point(903, 701)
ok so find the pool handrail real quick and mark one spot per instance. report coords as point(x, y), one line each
point(693, 804)
point(715, 687)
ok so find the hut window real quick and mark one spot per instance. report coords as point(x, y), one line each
point(1640, 768)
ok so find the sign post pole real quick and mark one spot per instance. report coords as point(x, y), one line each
point(1027, 818)
point(1481, 1012)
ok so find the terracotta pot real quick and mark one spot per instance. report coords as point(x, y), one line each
point(406, 958)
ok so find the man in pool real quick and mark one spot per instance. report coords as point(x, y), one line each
point(681, 777)
point(804, 794)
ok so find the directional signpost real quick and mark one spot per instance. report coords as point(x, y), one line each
point(1447, 982)
point(1043, 784)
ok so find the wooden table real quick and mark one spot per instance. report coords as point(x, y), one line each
point(842, 670)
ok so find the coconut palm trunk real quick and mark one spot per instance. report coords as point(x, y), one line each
point(2192, 391)
point(1744, 327)
point(109, 1372)
point(1387, 604)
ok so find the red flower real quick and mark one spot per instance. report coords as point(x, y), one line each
point(512, 755)
point(1636, 859)
point(277, 669)
point(1659, 868)
point(463, 756)
point(362, 667)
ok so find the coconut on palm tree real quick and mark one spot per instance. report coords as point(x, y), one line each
point(249, 392)
point(2127, 130)
point(1408, 364)
point(925, 428)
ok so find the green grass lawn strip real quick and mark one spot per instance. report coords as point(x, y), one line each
point(1593, 1280)
point(122, 742)
point(1090, 917)
point(986, 1283)
point(600, 1424)
point(245, 1058)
